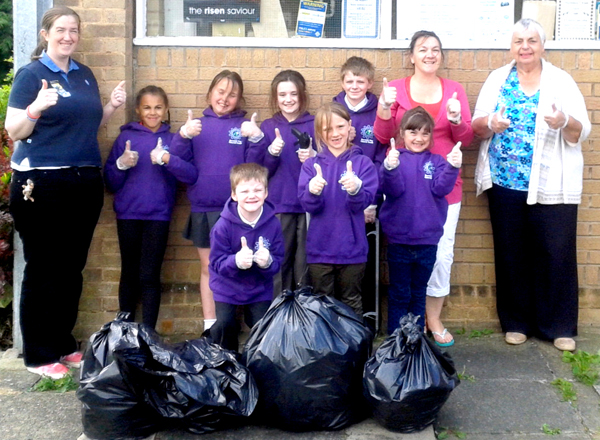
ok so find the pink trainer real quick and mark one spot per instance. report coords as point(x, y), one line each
point(53, 371)
point(72, 360)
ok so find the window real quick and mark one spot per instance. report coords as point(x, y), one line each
point(335, 23)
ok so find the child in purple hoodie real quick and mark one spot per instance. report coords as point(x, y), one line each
point(335, 187)
point(143, 201)
point(415, 183)
point(213, 144)
point(246, 252)
point(284, 154)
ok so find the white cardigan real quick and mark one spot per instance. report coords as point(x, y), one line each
point(557, 165)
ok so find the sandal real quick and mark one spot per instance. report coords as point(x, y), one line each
point(442, 335)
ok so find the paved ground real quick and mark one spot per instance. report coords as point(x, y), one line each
point(505, 394)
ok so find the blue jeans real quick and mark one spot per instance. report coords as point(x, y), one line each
point(410, 268)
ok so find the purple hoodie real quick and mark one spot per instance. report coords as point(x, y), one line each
point(363, 121)
point(415, 208)
point(229, 283)
point(218, 148)
point(284, 169)
point(336, 233)
point(146, 191)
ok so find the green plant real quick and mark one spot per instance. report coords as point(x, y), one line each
point(566, 389)
point(63, 385)
point(464, 376)
point(480, 333)
point(585, 366)
point(461, 331)
point(444, 433)
point(550, 431)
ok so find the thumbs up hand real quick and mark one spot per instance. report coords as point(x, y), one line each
point(317, 183)
point(157, 154)
point(277, 144)
point(455, 156)
point(243, 259)
point(118, 96)
point(192, 127)
point(453, 110)
point(392, 161)
point(47, 97)
point(350, 180)
point(305, 153)
point(250, 128)
point(388, 95)
point(262, 257)
point(128, 159)
point(497, 122)
point(557, 119)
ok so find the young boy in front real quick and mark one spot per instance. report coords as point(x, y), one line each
point(357, 76)
point(246, 252)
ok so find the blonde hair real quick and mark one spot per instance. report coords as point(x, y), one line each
point(358, 66)
point(248, 171)
point(323, 121)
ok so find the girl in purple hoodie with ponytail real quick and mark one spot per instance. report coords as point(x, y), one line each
point(335, 187)
point(214, 144)
point(144, 200)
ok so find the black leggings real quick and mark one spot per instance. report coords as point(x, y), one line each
point(142, 244)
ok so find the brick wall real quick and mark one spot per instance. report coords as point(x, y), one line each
point(185, 74)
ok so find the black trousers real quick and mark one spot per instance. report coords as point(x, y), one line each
point(342, 281)
point(56, 230)
point(536, 265)
point(142, 244)
point(226, 330)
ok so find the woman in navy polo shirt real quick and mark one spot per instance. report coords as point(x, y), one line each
point(54, 112)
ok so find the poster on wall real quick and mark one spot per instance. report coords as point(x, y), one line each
point(477, 21)
point(575, 19)
point(221, 10)
point(360, 19)
point(311, 19)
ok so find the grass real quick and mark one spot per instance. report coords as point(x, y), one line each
point(480, 333)
point(585, 366)
point(444, 433)
point(464, 376)
point(550, 431)
point(63, 385)
point(566, 389)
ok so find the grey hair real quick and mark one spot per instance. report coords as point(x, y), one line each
point(530, 24)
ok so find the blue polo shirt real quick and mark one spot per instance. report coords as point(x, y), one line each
point(66, 135)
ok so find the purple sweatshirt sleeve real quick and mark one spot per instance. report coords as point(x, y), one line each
point(391, 181)
point(370, 182)
point(222, 252)
point(443, 182)
point(181, 160)
point(310, 202)
point(113, 176)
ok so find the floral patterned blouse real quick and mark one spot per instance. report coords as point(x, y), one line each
point(512, 150)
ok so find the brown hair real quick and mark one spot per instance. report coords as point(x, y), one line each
point(248, 171)
point(416, 119)
point(295, 78)
point(50, 16)
point(323, 120)
point(156, 91)
point(358, 66)
point(423, 34)
point(235, 79)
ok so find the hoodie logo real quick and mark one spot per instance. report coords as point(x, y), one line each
point(266, 244)
point(235, 136)
point(428, 168)
point(343, 175)
point(366, 133)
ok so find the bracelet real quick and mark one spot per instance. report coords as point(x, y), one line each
point(566, 119)
point(184, 132)
point(30, 116)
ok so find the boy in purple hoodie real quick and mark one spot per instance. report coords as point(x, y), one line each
point(415, 183)
point(246, 252)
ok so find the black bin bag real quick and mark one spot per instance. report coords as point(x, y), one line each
point(132, 384)
point(307, 355)
point(408, 380)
